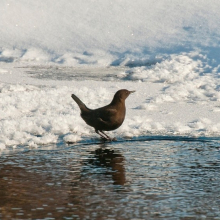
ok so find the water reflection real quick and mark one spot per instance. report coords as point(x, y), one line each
point(50, 184)
point(148, 180)
point(25, 194)
point(112, 160)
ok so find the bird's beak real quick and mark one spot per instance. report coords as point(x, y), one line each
point(131, 91)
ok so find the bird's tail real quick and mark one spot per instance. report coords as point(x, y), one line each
point(81, 105)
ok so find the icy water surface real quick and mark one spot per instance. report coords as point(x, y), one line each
point(128, 180)
point(73, 73)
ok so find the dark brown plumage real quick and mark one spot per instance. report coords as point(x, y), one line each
point(107, 118)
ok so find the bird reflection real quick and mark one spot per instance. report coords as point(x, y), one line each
point(108, 158)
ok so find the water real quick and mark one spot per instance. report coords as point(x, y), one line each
point(69, 73)
point(129, 180)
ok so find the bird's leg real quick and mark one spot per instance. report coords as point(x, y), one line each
point(109, 138)
point(105, 135)
point(99, 133)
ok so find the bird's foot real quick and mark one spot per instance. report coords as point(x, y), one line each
point(108, 139)
point(104, 136)
point(104, 139)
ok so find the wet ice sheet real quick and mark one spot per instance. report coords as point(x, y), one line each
point(76, 73)
point(153, 179)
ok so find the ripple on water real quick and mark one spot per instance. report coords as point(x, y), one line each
point(143, 179)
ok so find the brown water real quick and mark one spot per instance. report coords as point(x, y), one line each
point(129, 180)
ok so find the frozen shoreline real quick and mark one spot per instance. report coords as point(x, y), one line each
point(167, 52)
point(176, 98)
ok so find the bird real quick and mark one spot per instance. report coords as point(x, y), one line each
point(107, 118)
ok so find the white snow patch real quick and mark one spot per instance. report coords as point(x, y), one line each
point(125, 33)
point(2, 146)
point(72, 138)
point(168, 53)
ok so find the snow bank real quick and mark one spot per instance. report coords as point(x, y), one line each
point(167, 51)
point(176, 96)
point(105, 32)
point(189, 76)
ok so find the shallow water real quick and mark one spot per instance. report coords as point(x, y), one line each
point(128, 180)
point(77, 73)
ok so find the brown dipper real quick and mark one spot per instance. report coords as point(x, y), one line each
point(107, 118)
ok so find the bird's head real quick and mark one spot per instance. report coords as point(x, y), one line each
point(122, 94)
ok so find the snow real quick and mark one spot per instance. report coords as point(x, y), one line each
point(98, 32)
point(43, 112)
point(167, 51)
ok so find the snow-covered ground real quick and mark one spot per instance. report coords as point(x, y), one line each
point(98, 32)
point(167, 51)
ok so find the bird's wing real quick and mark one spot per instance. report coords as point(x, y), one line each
point(106, 114)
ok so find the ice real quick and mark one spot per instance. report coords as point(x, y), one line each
point(177, 96)
point(36, 115)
